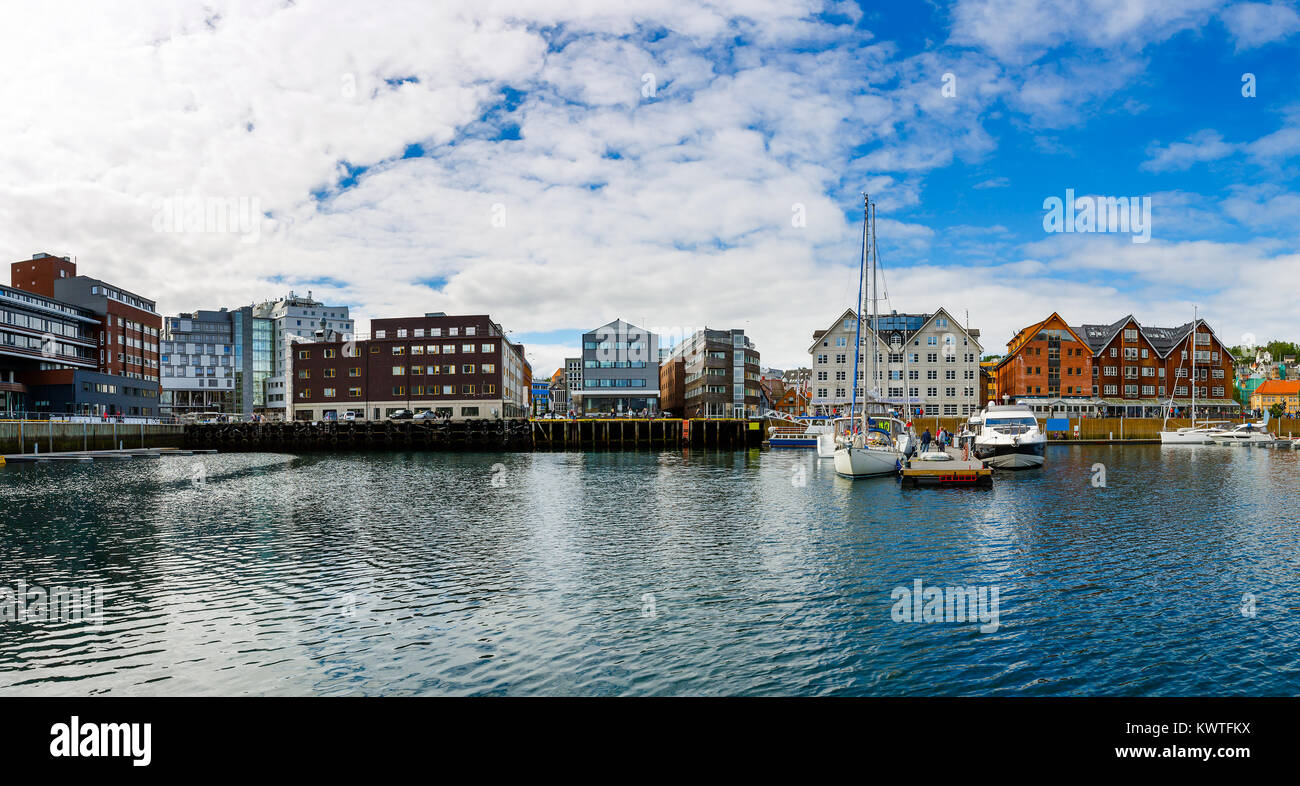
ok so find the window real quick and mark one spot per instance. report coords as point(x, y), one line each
point(399, 350)
point(467, 390)
point(467, 368)
point(467, 348)
point(304, 354)
point(329, 392)
point(399, 371)
point(328, 373)
point(354, 392)
point(304, 373)
point(417, 369)
point(488, 368)
point(399, 390)
point(487, 348)
point(354, 372)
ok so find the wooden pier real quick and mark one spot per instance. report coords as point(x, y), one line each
point(481, 434)
point(957, 472)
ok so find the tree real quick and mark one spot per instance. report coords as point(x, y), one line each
point(1278, 410)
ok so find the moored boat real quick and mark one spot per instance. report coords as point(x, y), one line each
point(1006, 436)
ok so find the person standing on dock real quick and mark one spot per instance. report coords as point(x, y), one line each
point(925, 441)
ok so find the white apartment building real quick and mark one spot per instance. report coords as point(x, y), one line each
point(294, 319)
point(927, 361)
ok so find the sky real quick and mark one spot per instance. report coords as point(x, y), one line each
point(676, 164)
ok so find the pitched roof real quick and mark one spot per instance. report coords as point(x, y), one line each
point(1279, 387)
point(1098, 336)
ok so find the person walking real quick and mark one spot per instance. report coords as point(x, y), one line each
point(925, 441)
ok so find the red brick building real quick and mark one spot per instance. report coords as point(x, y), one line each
point(1121, 368)
point(1046, 361)
point(127, 334)
point(462, 366)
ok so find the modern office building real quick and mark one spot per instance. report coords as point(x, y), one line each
point(712, 374)
point(620, 370)
point(199, 364)
point(283, 323)
point(73, 344)
point(460, 366)
point(928, 362)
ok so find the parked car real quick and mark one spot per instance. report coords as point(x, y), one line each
point(428, 414)
point(402, 414)
point(351, 417)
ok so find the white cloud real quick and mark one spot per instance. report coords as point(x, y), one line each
point(1255, 24)
point(1205, 145)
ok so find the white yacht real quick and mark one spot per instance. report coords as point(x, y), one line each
point(1202, 433)
point(1252, 434)
point(1006, 436)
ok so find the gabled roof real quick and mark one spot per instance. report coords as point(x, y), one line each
point(907, 325)
point(1162, 339)
point(1279, 387)
point(1026, 334)
point(1098, 337)
point(618, 326)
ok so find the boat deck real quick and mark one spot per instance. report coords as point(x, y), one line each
point(958, 472)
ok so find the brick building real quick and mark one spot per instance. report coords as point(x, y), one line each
point(712, 374)
point(124, 328)
point(462, 366)
point(1121, 368)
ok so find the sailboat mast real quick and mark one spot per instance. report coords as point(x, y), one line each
point(870, 215)
point(857, 329)
point(1195, 316)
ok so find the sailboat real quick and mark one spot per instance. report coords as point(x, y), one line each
point(865, 446)
point(1203, 433)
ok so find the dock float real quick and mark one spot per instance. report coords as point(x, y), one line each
point(94, 455)
point(953, 472)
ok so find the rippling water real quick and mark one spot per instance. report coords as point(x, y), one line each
point(433, 573)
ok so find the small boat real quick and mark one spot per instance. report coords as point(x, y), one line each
point(802, 434)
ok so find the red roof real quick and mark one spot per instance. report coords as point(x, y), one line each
point(1279, 387)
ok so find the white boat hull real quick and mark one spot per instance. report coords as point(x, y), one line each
point(865, 462)
point(826, 446)
point(1014, 460)
point(1186, 438)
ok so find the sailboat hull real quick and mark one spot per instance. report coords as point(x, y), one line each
point(1186, 438)
point(865, 463)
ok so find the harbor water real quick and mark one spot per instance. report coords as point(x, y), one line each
point(1118, 570)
